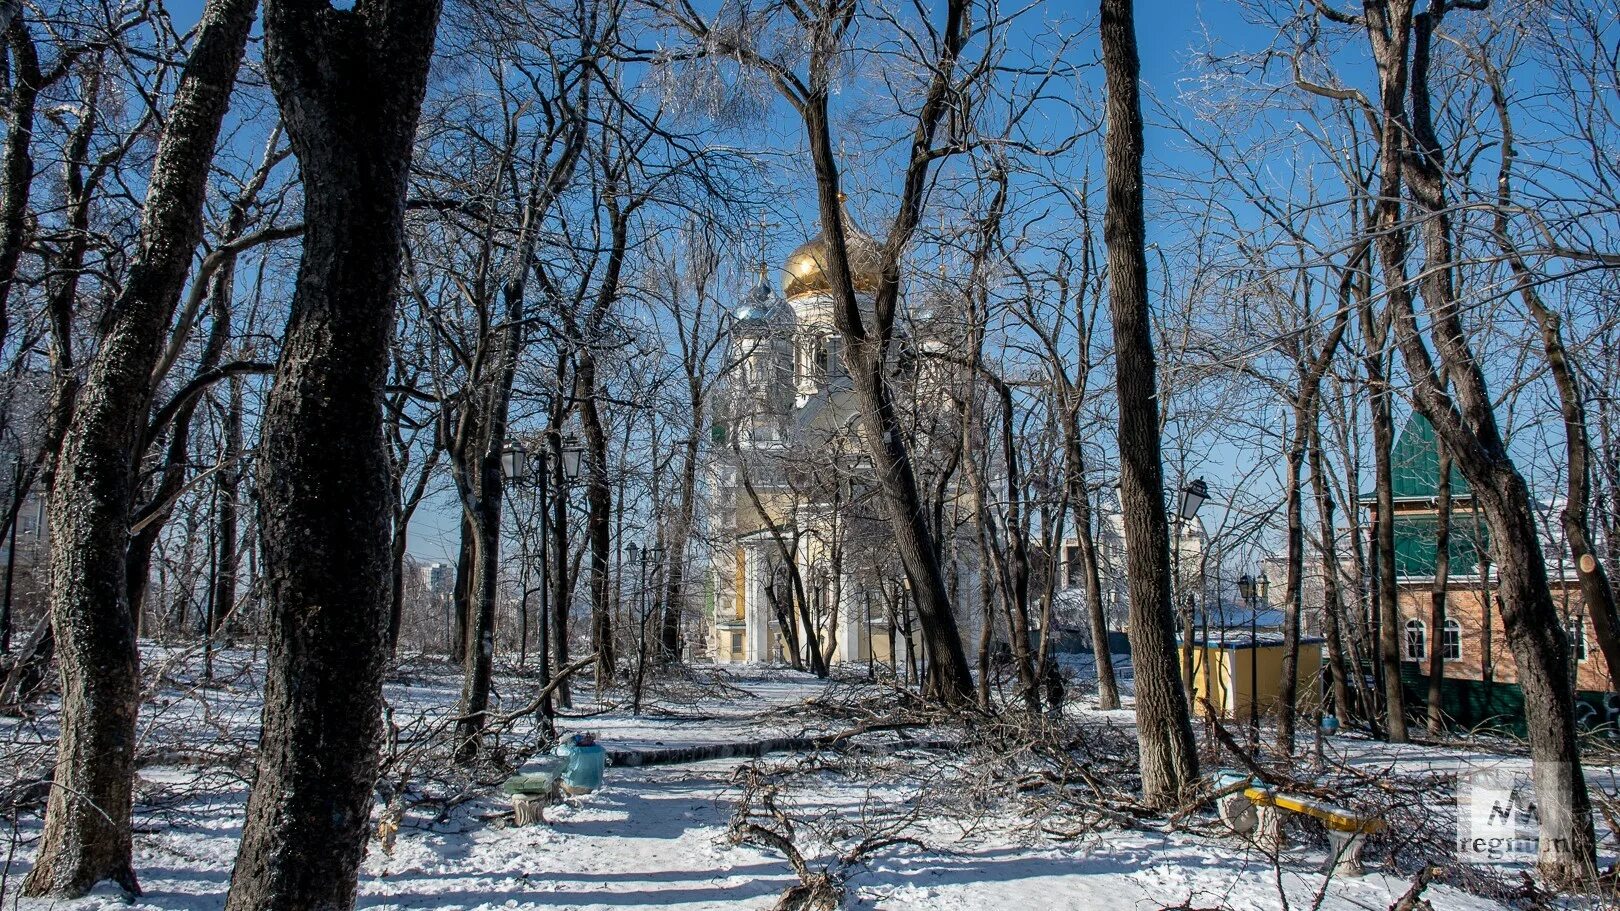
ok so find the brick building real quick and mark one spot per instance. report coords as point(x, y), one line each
point(1481, 678)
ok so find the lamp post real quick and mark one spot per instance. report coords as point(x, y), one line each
point(11, 555)
point(532, 468)
point(563, 468)
point(642, 557)
point(1191, 499)
point(515, 469)
point(1253, 591)
point(523, 468)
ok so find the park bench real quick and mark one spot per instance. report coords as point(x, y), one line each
point(1255, 809)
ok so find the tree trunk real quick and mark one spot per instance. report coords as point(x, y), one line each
point(865, 346)
point(87, 821)
point(1386, 609)
point(1018, 559)
point(480, 478)
point(1168, 753)
point(599, 499)
point(478, 651)
point(18, 176)
point(557, 574)
point(680, 536)
point(1086, 544)
point(1306, 407)
point(462, 593)
point(228, 492)
point(1293, 597)
point(1437, 596)
point(1332, 597)
point(1465, 421)
point(1597, 593)
point(349, 83)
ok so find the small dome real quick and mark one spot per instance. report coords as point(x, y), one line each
point(762, 307)
point(804, 272)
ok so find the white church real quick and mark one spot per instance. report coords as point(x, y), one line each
point(800, 557)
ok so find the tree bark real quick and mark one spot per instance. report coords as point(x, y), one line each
point(17, 180)
point(1437, 596)
point(1465, 421)
point(1597, 592)
point(349, 83)
point(87, 822)
point(1169, 755)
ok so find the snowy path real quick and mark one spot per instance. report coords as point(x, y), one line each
point(655, 838)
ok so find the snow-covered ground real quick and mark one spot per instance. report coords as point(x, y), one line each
point(657, 837)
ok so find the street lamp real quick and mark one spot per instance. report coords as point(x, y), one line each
point(643, 557)
point(515, 461)
point(571, 451)
point(1192, 498)
point(526, 468)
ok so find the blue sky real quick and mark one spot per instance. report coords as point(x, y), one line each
point(1167, 30)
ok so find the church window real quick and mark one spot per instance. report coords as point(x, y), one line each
point(1576, 631)
point(1417, 640)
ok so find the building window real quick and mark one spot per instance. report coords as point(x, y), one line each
point(1417, 640)
point(736, 645)
point(1576, 631)
point(1451, 640)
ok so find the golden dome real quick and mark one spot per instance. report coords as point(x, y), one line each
point(804, 272)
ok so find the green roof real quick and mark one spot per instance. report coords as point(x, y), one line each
point(1415, 544)
point(1415, 463)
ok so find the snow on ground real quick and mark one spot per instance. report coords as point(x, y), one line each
point(656, 837)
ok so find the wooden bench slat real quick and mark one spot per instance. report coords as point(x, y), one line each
point(1332, 817)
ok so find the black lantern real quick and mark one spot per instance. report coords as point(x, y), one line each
point(1192, 498)
point(633, 552)
point(571, 452)
point(1246, 588)
point(514, 461)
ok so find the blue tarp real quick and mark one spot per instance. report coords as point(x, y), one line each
point(583, 771)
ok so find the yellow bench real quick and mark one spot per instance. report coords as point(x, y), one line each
point(1254, 811)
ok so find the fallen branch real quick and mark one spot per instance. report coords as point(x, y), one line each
point(1413, 899)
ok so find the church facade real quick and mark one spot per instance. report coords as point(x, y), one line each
point(800, 562)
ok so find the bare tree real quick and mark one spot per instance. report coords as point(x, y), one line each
point(349, 83)
point(1169, 756)
point(1402, 43)
point(87, 827)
